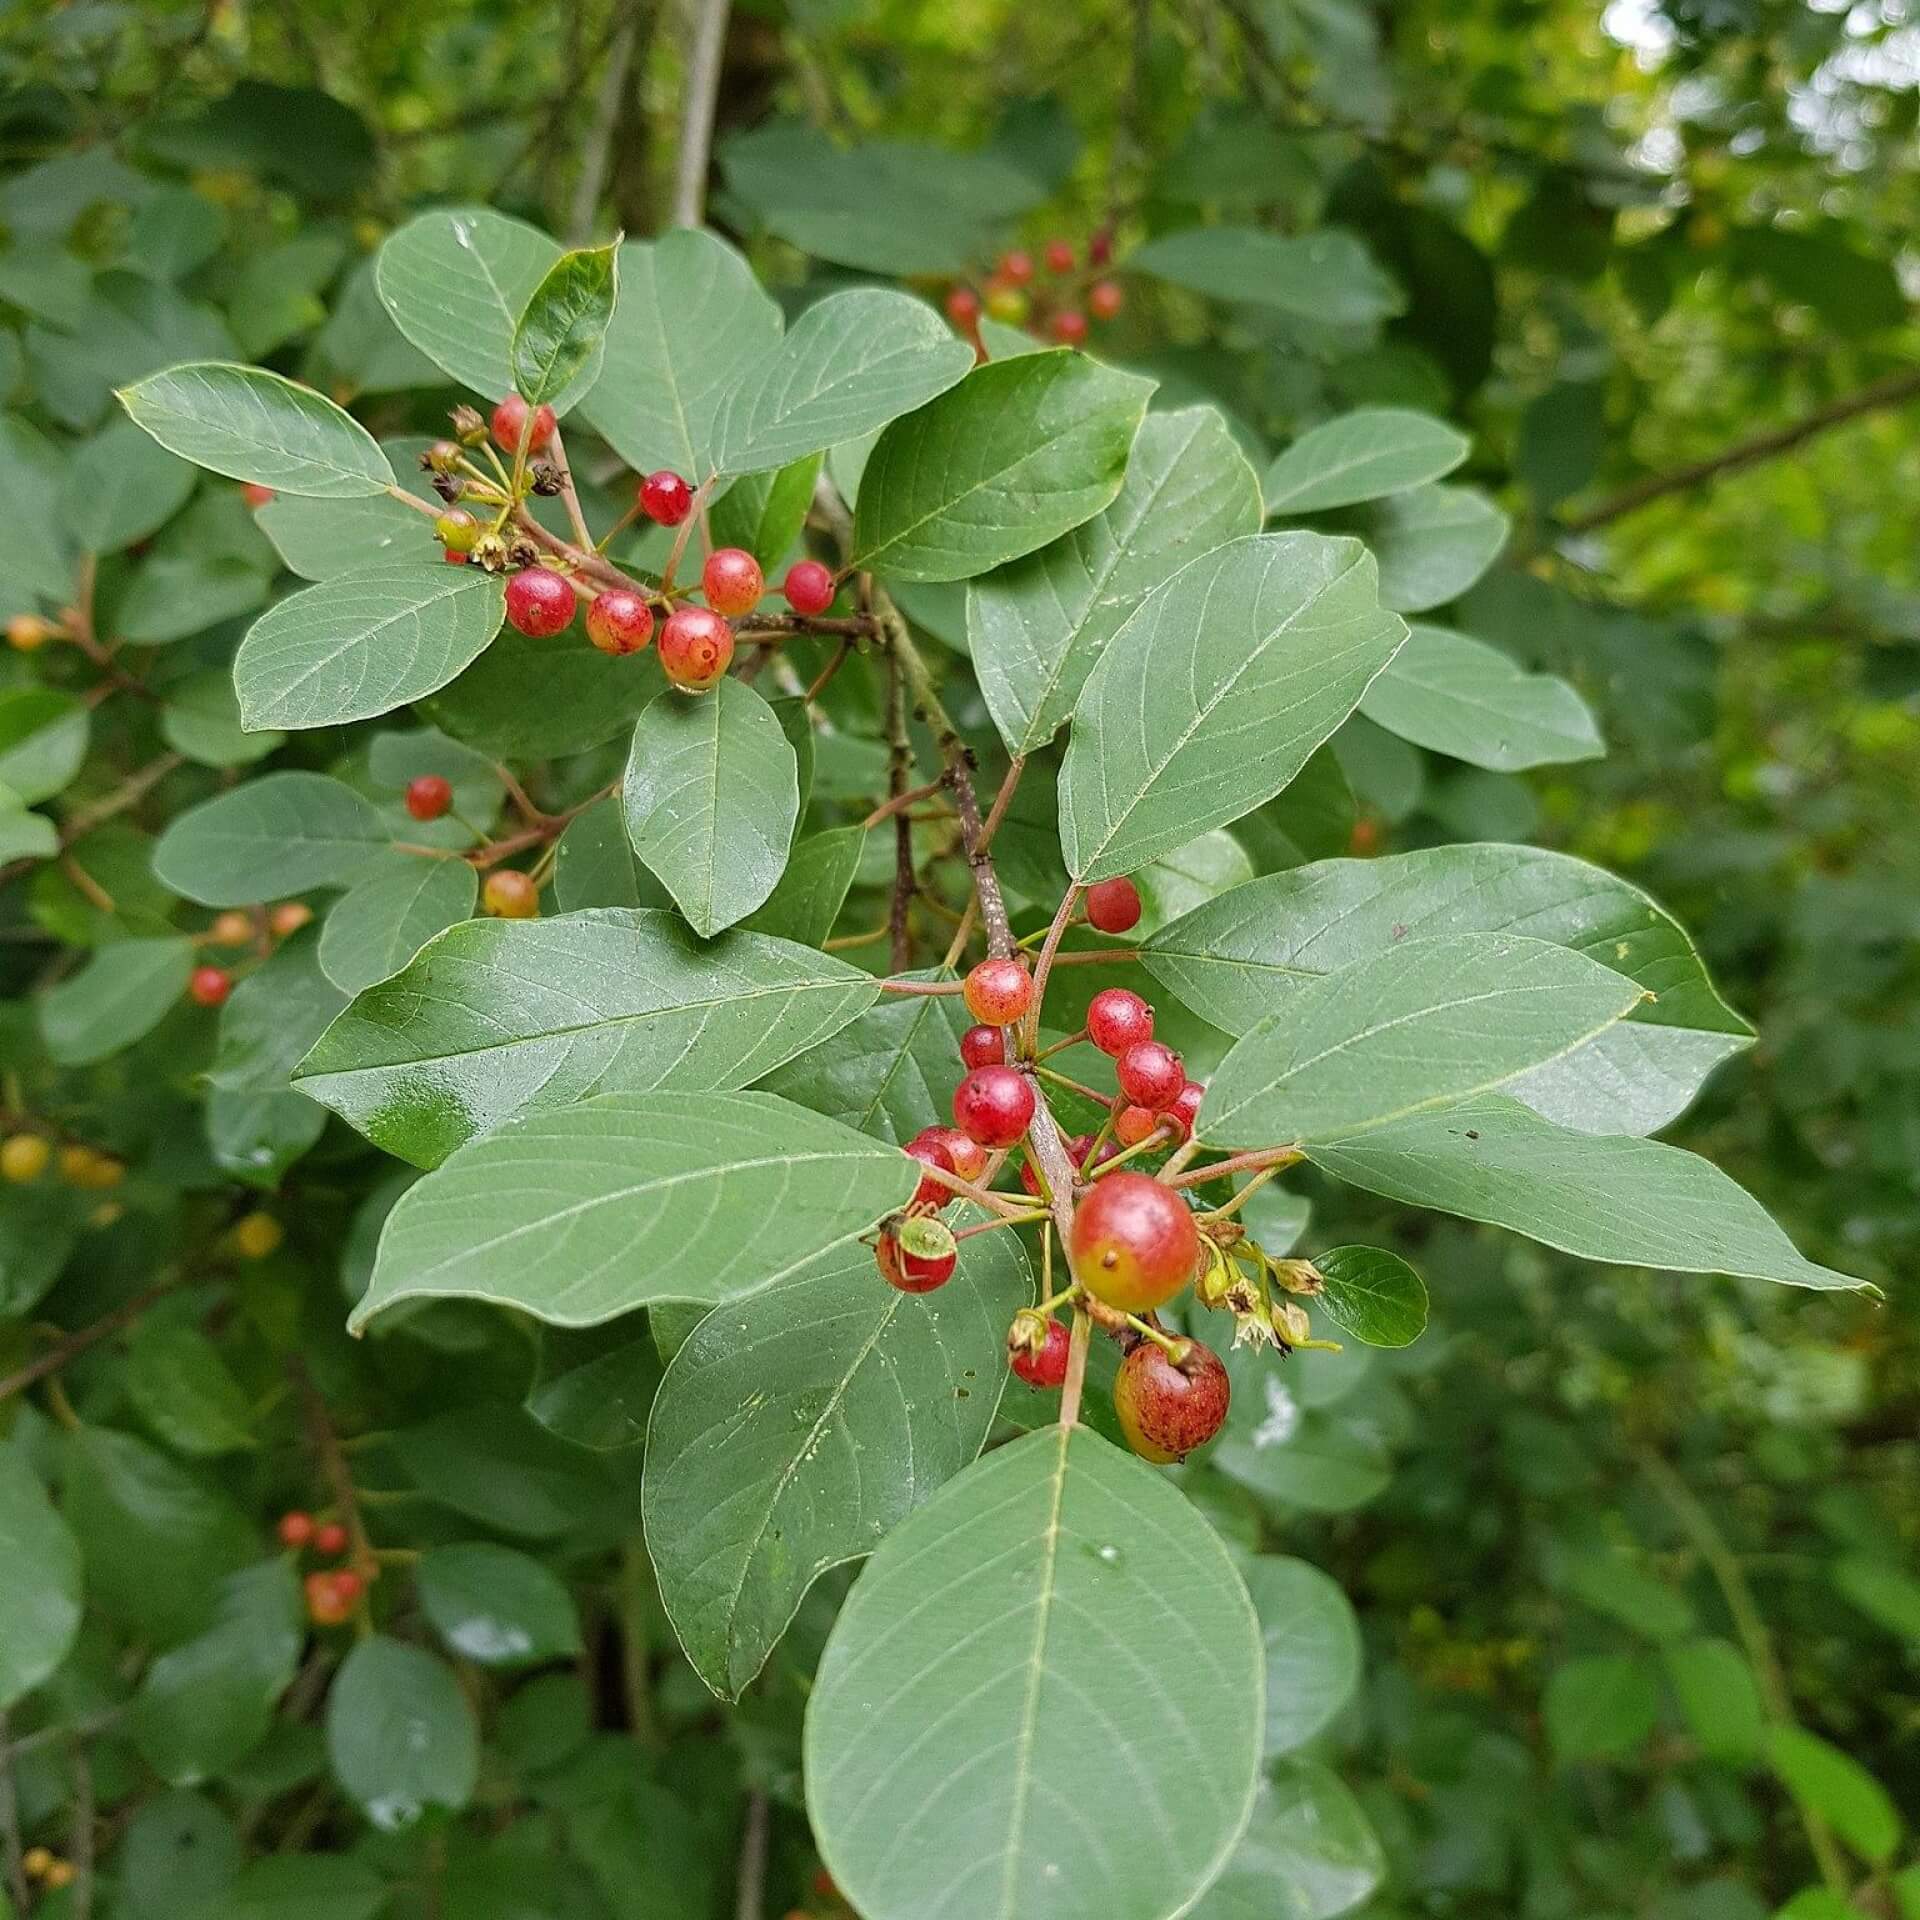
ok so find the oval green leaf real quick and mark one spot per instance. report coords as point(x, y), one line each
point(283, 833)
point(40, 1597)
point(400, 1733)
point(560, 339)
point(495, 1606)
point(1371, 1294)
point(1363, 455)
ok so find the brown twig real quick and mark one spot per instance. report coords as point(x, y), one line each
point(1255, 1162)
point(569, 495)
point(324, 1439)
point(75, 1344)
point(750, 1896)
point(12, 1854)
point(899, 772)
point(1002, 800)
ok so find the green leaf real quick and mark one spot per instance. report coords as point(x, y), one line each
point(595, 1385)
point(1271, 640)
point(1020, 452)
point(25, 835)
point(1308, 1852)
point(1608, 1197)
point(711, 795)
point(495, 1606)
point(1716, 1690)
point(122, 486)
point(364, 643)
point(283, 833)
point(40, 1598)
point(43, 741)
point(1433, 543)
point(813, 889)
point(1838, 1789)
point(257, 1136)
point(319, 538)
point(764, 513)
point(375, 928)
point(177, 595)
point(1036, 627)
point(1400, 1032)
point(205, 1705)
point(1013, 1605)
point(275, 1014)
point(848, 365)
point(691, 321)
point(1362, 456)
point(253, 425)
point(534, 699)
point(1884, 1594)
point(1371, 1294)
point(301, 1886)
point(726, 1193)
point(201, 719)
point(1612, 1584)
point(185, 1392)
point(496, 1464)
point(1238, 957)
point(122, 993)
point(502, 1017)
point(400, 1733)
point(560, 339)
point(795, 1430)
point(1459, 696)
point(1313, 1648)
point(1328, 277)
point(456, 282)
point(1600, 1707)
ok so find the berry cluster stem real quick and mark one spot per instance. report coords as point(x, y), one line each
point(324, 1439)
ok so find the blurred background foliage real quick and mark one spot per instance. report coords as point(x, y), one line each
point(1657, 259)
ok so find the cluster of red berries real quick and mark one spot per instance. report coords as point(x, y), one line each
point(334, 1592)
point(1134, 1243)
point(507, 893)
point(696, 642)
point(1017, 293)
point(209, 986)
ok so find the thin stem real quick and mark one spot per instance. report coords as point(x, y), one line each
point(1060, 1046)
point(1048, 949)
point(1229, 1208)
point(931, 988)
point(75, 1344)
point(1274, 1157)
point(1078, 1342)
point(324, 1439)
point(1072, 1086)
point(701, 93)
point(826, 673)
point(996, 1203)
point(569, 496)
point(1002, 800)
point(899, 802)
point(1157, 1138)
point(1006, 1220)
point(899, 771)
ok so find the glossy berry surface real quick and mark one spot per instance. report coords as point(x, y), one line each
point(1151, 1074)
point(1017, 266)
point(696, 647)
point(256, 496)
point(914, 1259)
point(969, 1157)
point(295, 1529)
point(1134, 1244)
point(808, 587)
point(930, 1151)
point(540, 603)
point(1059, 256)
point(330, 1539)
point(1069, 327)
point(1048, 1367)
point(983, 1046)
point(1117, 1020)
point(1133, 1124)
point(963, 308)
point(428, 796)
point(993, 1106)
point(665, 498)
point(510, 894)
point(998, 992)
point(510, 421)
point(1113, 906)
point(1105, 299)
point(731, 580)
point(1167, 1408)
point(209, 986)
point(1186, 1108)
point(619, 621)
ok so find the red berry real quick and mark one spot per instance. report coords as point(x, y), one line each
point(1167, 1408)
point(330, 1540)
point(665, 497)
point(1017, 266)
point(619, 621)
point(983, 1047)
point(1059, 256)
point(963, 308)
point(1079, 1147)
point(429, 796)
point(1048, 1367)
point(993, 1105)
point(295, 1529)
point(209, 986)
point(347, 1585)
point(1117, 1020)
point(696, 646)
point(540, 603)
point(732, 580)
point(1134, 1244)
point(1105, 299)
point(1100, 248)
point(1186, 1108)
point(1030, 1174)
point(1151, 1074)
point(808, 587)
point(916, 1255)
point(510, 894)
point(930, 1152)
point(969, 1157)
point(255, 495)
point(1113, 906)
point(998, 992)
point(331, 1597)
point(454, 559)
point(1069, 327)
point(1133, 1124)
point(510, 421)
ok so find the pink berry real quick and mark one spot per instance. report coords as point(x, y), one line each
point(1069, 327)
point(1117, 1020)
point(983, 1047)
point(963, 308)
point(665, 497)
point(696, 647)
point(540, 603)
point(209, 986)
point(1105, 299)
point(732, 580)
point(930, 1152)
point(1059, 256)
point(969, 1157)
point(620, 621)
point(429, 796)
point(993, 1106)
point(510, 421)
point(808, 587)
point(1017, 266)
point(998, 992)
point(1113, 906)
point(1151, 1075)
point(1186, 1108)
point(1133, 1124)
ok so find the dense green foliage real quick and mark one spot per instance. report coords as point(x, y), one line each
point(1464, 581)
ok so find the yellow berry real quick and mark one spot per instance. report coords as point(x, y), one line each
point(510, 895)
point(28, 632)
point(257, 1235)
point(231, 929)
point(58, 1875)
point(84, 1166)
point(24, 1156)
point(36, 1861)
point(289, 917)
